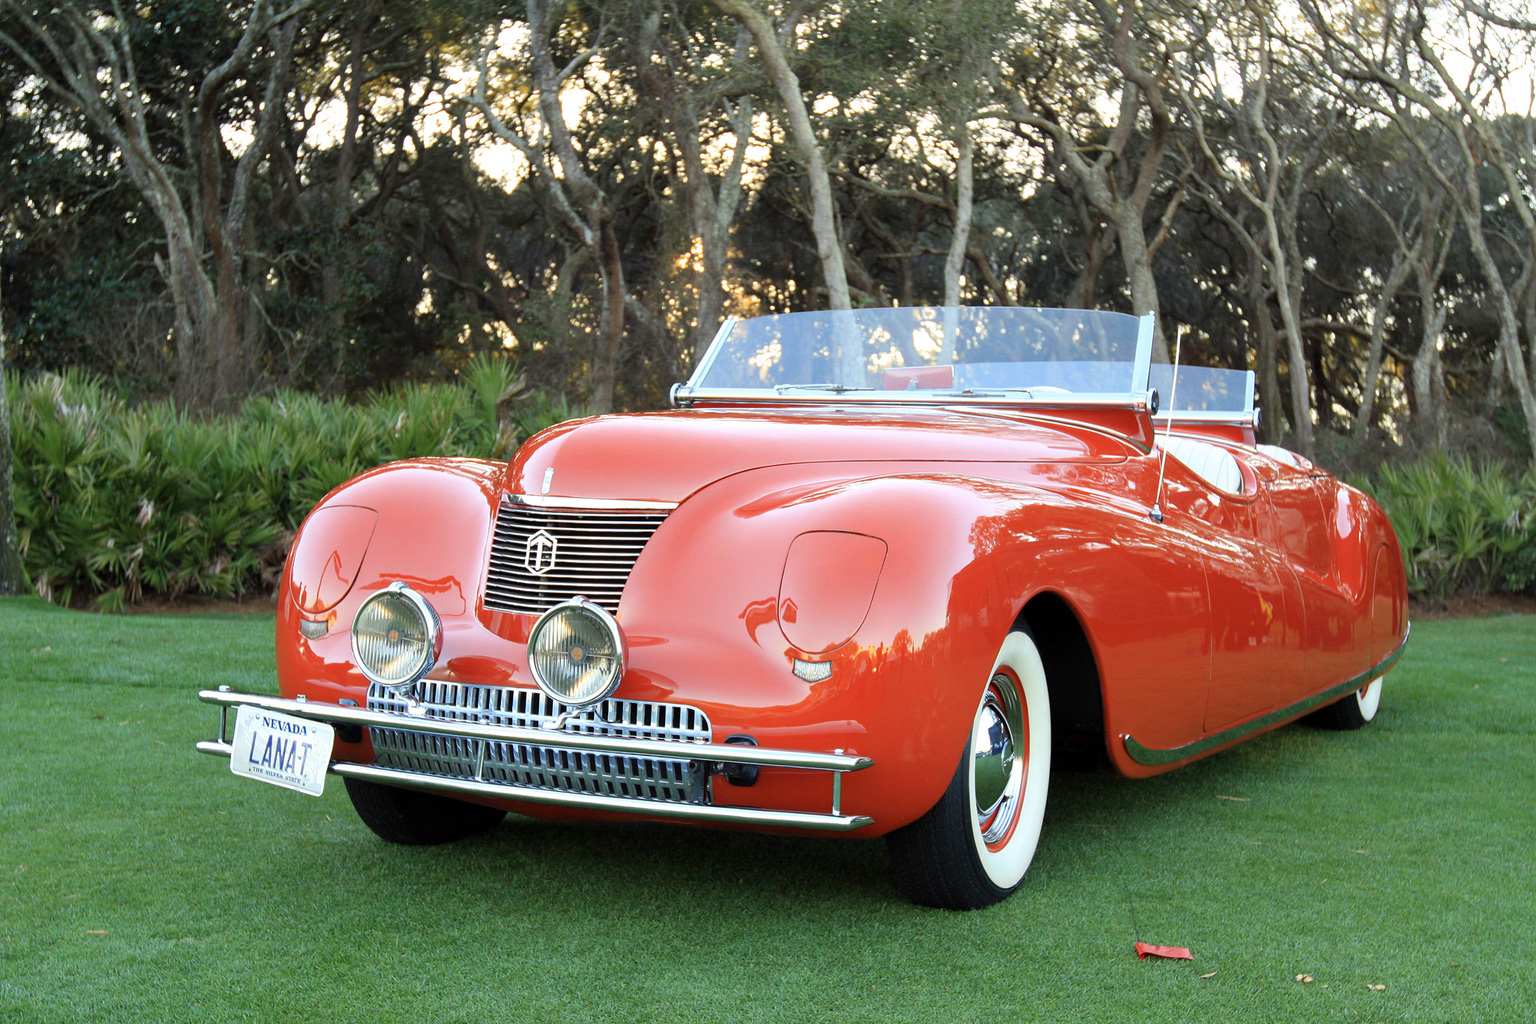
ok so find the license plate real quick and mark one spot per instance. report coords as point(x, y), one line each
point(281, 749)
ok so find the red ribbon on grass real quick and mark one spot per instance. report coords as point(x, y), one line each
point(1143, 950)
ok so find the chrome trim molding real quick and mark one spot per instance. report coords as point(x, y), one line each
point(1153, 757)
point(600, 504)
point(1233, 418)
point(934, 399)
point(625, 805)
point(726, 326)
point(1141, 368)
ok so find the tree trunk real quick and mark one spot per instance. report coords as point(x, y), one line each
point(605, 361)
point(1427, 373)
point(959, 239)
point(13, 575)
point(1395, 278)
point(1098, 243)
point(1272, 422)
point(829, 248)
point(1509, 324)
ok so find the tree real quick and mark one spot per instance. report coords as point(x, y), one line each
point(579, 201)
point(1116, 168)
point(775, 46)
point(13, 576)
point(1395, 55)
point(670, 58)
point(90, 54)
point(1274, 138)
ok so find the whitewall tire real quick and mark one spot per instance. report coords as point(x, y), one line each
point(1351, 711)
point(976, 844)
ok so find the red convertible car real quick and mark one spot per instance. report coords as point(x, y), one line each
point(873, 574)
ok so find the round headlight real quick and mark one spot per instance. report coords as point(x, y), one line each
point(396, 637)
point(576, 653)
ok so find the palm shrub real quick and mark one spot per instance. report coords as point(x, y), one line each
point(1463, 528)
point(114, 503)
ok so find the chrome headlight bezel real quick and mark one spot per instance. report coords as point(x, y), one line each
point(412, 604)
point(596, 618)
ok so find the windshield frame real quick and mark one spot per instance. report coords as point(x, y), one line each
point(1136, 398)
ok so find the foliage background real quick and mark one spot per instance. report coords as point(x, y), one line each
point(295, 239)
point(116, 502)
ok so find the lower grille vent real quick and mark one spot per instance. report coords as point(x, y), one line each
point(536, 765)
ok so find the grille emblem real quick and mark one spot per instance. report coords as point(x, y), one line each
point(539, 553)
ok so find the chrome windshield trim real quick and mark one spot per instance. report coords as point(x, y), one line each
point(1141, 369)
point(655, 749)
point(601, 504)
point(1236, 419)
point(933, 399)
point(1155, 757)
point(710, 353)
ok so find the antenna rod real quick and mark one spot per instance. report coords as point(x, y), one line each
point(1162, 462)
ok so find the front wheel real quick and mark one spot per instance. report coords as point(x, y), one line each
point(414, 818)
point(973, 848)
point(1349, 712)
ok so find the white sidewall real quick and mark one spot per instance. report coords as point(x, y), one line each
point(1368, 698)
point(1005, 867)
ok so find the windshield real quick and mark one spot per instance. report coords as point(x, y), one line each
point(1018, 352)
point(1202, 389)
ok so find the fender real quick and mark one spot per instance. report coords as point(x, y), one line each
point(433, 529)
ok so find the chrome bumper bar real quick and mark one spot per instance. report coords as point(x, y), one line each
point(717, 753)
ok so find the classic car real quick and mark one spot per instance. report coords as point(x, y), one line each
point(874, 573)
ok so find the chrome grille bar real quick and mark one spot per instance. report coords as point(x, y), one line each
point(591, 556)
point(544, 767)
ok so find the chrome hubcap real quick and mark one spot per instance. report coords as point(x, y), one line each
point(997, 770)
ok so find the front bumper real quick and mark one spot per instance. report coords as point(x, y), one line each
point(706, 758)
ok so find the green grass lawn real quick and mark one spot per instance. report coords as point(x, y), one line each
point(141, 881)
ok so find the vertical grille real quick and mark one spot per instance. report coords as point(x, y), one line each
point(539, 766)
point(591, 556)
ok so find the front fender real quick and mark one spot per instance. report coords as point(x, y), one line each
point(433, 531)
point(701, 614)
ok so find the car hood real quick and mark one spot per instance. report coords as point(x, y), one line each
point(667, 456)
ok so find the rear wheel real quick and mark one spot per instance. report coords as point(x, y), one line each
point(1350, 712)
point(415, 818)
point(973, 848)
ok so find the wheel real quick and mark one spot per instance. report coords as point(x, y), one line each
point(415, 818)
point(1349, 712)
point(972, 849)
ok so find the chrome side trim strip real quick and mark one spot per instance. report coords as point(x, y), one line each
point(655, 749)
point(1152, 756)
point(590, 801)
point(551, 502)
